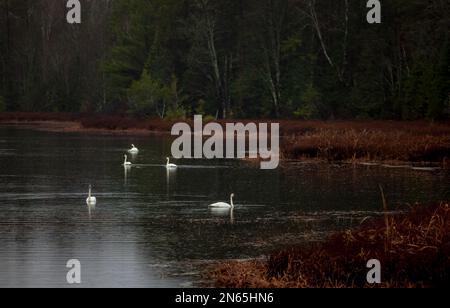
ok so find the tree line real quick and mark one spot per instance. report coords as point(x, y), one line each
point(306, 59)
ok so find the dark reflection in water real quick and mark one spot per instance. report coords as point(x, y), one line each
point(152, 227)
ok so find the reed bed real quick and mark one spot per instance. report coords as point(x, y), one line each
point(369, 145)
point(413, 248)
point(92, 121)
point(38, 116)
point(400, 141)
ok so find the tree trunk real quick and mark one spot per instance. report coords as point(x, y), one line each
point(273, 22)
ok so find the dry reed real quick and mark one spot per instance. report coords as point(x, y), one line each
point(413, 248)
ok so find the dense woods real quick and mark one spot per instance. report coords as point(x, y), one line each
point(302, 59)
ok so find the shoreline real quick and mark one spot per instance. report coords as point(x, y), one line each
point(75, 127)
point(413, 238)
point(367, 143)
point(412, 247)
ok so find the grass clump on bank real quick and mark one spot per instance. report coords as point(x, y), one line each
point(413, 248)
point(396, 141)
point(369, 141)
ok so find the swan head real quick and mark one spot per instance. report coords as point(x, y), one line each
point(232, 195)
point(132, 146)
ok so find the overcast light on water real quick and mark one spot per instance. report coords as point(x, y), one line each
point(152, 227)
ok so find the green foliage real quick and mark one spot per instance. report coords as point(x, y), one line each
point(439, 89)
point(246, 59)
point(124, 63)
point(178, 114)
point(2, 104)
point(200, 108)
point(291, 45)
point(426, 91)
point(309, 102)
point(150, 97)
point(209, 118)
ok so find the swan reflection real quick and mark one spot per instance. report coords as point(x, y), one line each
point(91, 210)
point(126, 170)
point(170, 174)
point(223, 213)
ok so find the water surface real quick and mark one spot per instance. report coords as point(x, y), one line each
point(152, 228)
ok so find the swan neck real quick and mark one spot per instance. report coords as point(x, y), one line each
point(89, 192)
point(231, 202)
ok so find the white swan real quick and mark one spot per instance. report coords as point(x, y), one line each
point(91, 200)
point(133, 150)
point(169, 165)
point(126, 163)
point(223, 205)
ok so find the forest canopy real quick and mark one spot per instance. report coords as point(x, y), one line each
point(306, 59)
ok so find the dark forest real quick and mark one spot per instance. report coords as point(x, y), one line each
point(297, 59)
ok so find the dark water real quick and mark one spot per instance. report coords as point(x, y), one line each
point(154, 229)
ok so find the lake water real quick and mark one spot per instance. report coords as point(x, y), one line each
point(151, 228)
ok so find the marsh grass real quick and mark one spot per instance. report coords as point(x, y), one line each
point(92, 121)
point(369, 145)
point(332, 141)
point(414, 250)
point(397, 141)
point(38, 116)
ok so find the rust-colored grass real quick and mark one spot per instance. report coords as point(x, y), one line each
point(38, 116)
point(92, 121)
point(370, 141)
point(418, 141)
point(414, 250)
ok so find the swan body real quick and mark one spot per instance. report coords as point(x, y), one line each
point(223, 205)
point(126, 162)
point(90, 199)
point(169, 165)
point(133, 150)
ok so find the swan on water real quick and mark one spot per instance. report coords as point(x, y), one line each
point(133, 150)
point(169, 165)
point(126, 162)
point(91, 200)
point(223, 205)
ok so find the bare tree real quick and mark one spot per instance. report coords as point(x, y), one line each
point(221, 65)
point(273, 18)
point(5, 86)
point(311, 12)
